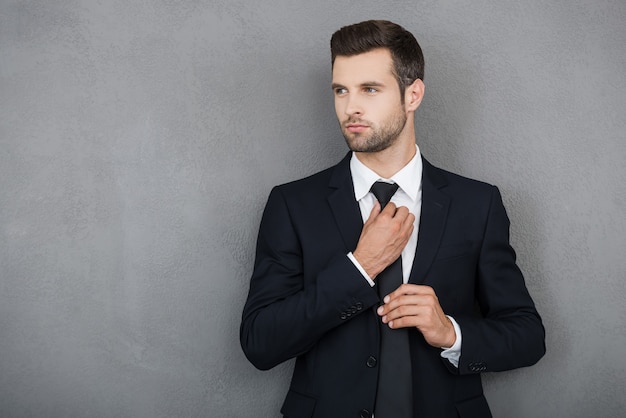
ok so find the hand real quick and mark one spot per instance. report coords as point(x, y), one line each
point(412, 305)
point(383, 237)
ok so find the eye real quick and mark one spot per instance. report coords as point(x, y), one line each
point(340, 91)
point(370, 90)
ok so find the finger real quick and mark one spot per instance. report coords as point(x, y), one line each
point(426, 318)
point(411, 289)
point(394, 294)
point(409, 321)
point(404, 322)
point(390, 209)
point(398, 303)
point(374, 213)
point(409, 221)
point(400, 311)
point(401, 212)
point(423, 301)
point(414, 316)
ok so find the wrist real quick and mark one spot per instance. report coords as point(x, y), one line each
point(366, 264)
point(455, 339)
point(452, 337)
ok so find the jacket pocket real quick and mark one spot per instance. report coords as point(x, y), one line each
point(297, 405)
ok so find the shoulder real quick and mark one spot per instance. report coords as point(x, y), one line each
point(440, 177)
point(471, 201)
point(318, 182)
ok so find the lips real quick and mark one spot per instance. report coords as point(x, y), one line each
point(356, 127)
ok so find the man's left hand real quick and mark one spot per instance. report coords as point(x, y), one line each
point(412, 305)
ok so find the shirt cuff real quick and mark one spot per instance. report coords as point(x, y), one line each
point(358, 266)
point(453, 354)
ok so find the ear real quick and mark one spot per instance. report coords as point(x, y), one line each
point(413, 95)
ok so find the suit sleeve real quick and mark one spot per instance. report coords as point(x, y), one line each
point(286, 313)
point(509, 333)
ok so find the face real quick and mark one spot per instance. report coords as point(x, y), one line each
point(367, 101)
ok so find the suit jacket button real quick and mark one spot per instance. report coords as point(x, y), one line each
point(359, 306)
point(477, 367)
point(365, 413)
point(371, 362)
point(343, 315)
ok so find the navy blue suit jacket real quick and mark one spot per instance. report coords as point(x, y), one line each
point(308, 301)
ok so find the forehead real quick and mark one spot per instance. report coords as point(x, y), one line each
point(375, 65)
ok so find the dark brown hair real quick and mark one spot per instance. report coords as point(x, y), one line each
point(408, 60)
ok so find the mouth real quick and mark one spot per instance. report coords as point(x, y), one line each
point(356, 127)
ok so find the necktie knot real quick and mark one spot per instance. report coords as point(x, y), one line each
point(383, 192)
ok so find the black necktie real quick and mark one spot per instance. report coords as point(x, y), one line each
point(383, 192)
point(394, 395)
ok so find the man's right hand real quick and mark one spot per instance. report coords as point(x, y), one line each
point(384, 236)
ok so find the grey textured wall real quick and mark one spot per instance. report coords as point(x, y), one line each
point(139, 141)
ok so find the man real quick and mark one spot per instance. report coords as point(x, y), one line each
point(330, 247)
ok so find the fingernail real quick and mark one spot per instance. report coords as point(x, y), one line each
point(390, 324)
point(387, 298)
point(380, 310)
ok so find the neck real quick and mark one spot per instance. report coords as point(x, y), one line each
point(389, 161)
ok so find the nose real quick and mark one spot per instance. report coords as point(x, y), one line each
point(353, 106)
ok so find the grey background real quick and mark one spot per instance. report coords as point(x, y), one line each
point(139, 141)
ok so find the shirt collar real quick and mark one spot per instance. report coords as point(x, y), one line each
point(409, 178)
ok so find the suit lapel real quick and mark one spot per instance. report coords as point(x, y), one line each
point(343, 205)
point(433, 217)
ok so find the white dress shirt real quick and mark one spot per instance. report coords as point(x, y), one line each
point(409, 194)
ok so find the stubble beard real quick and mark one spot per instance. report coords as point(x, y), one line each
point(378, 139)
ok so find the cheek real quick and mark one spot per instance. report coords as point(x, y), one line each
point(338, 109)
point(381, 114)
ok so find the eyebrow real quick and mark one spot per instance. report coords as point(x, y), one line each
point(365, 84)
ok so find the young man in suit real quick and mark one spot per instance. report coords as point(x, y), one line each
point(392, 309)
